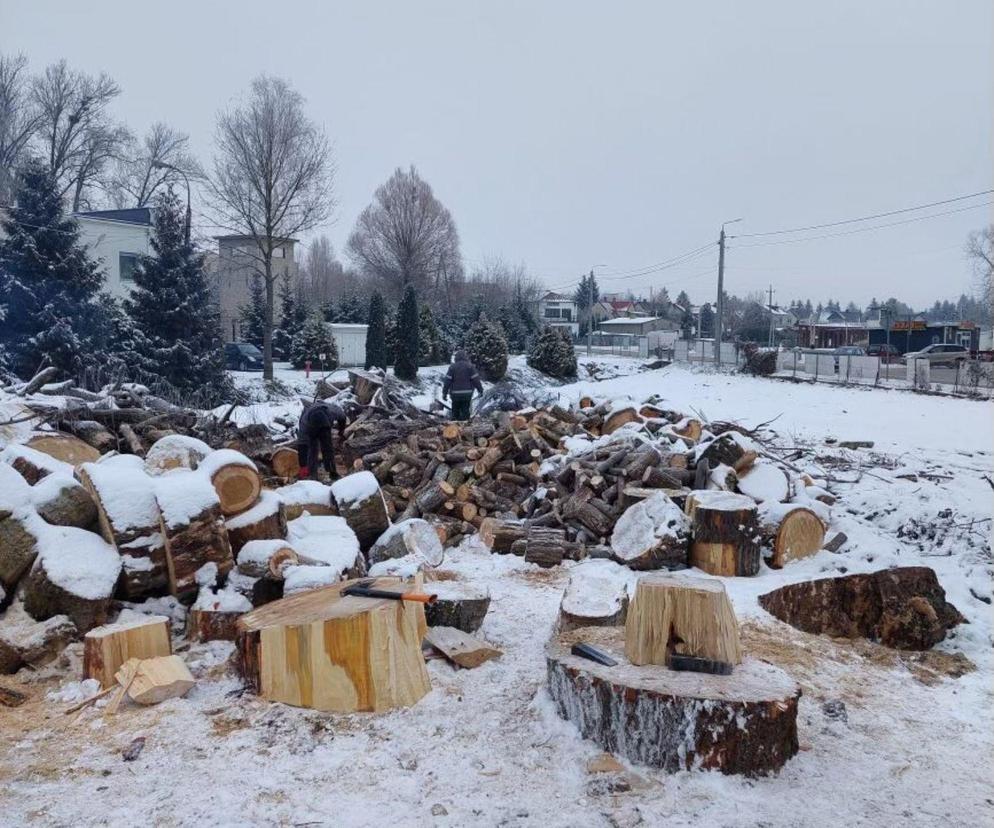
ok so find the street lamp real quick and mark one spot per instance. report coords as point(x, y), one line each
point(720, 311)
point(590, 305)
point(162, 165)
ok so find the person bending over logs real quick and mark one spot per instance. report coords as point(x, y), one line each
point(314, 443)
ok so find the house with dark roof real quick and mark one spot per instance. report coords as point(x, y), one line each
point(115, 239)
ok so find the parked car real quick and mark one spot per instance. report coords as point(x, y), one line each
point(847, 350)
point(886, 353)
point(242, 356)
point(940, 355)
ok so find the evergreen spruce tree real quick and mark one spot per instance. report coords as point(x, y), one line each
point(376, 334)
point(350, 310)
point(431, 346)
point(514, 332)
point(406, 363)
point(390, 338)
point(314, 343)
point(253, 315)
point(175, 318)
point(487, 348)
point(553, 354)
point(48, 284)
point(293, 315)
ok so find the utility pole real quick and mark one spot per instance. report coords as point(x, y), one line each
point(720, 308)
point(770, 306)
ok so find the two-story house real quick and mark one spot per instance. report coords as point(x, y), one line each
point(116, 239)
point(237, 265)
point(558, 311)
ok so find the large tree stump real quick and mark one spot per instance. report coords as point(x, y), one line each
point(743, 723)
point(285, 462)
point(235, 478)
point(74, 575)
point(361, 503)
point(266, 520)
point(725, 533)
point(326, 651)
point(458, 604)
point(904, 608)
point(175, 451)
point(682, 615)
point(790, 531)
point(498, 534)
point(108, 647)
point(193, 529)
point(595, 596)
point(413, 537)
point(651, 534)
point(64, 447)
point(62, 501)
point(311, 496)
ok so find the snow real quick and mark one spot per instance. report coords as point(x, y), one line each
point(305, 492)
point(37, 458)
point(487, 744)
point(406, 567)
point(420, 534)
point(642, 525)
point(354, 488)
point(15, 493)
point(183, 495)
point(724, 501)
point(176, 448)
point(216, 460)
point(764, 481)
point(49, 488)
point(324, 538)
point(596, 588)
point(222, 600)
point(305, 577)
point(267, 504)
point(126, 492)
point(78, 561)
point(258, 552)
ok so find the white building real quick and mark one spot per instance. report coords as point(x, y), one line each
point(115, 239)
point(558, 311)
point(350, 339)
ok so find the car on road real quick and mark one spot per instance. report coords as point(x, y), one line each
point(885, 352)
point(939, 354)
point(242, 356)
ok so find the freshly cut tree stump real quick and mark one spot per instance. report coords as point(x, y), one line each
point(682, 615)
point(311, 496)
point(64, 447)
point(725, 533)
point(595, 596)
point(62, 501)
point(74, 575)
point(107, 648)
point(904, 608)
point(764, 483)
point(285, 462)
point(498, 534)
point(266, 520)
point(235, 479)
point(361, 503)
point(193, 529)
point(743, 723)
point(651, 534)
point(790, 531)
point(459, 604)
point(326, 651)
point(413, 537)
point(175, 451)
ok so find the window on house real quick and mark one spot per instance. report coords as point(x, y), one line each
point(278, 253)
point(552, 313)
point(567, 314)
point(127, 262)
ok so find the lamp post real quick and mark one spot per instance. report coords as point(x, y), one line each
point(162, 165)
point(590, 305)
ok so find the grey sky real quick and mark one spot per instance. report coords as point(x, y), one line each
point(570, 134)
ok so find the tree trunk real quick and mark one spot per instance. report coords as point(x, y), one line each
point(266, 558)
point(285, 462)
point(745, 723)
point(175, 451)
point(596, 596)
point(458, 604)
point(367, 514)
point(336, 653)
point(64, 447)
point(18, 548)
point(266, 520)
point(68, 505)
point(725, 534)
point(190, 545)
point(498, 534)
point(106, 648)
point(791, 532)
point(212, 625)
point(236, 481)
point(651, 534)
point(409, 537)
point(545, 547)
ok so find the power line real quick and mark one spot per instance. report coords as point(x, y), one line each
point(865, 218)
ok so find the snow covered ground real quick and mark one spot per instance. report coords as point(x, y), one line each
point(485, 747)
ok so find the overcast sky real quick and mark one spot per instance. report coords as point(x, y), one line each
point(571, 134)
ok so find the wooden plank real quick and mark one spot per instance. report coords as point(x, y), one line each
point(461, 648)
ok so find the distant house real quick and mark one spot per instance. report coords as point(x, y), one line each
point(636, 325)
point(600, 311)
point(116, 239)
point(237, 265)
point(558, 311)
point(830, 329)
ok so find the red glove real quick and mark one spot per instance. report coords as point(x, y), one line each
point(304, 473)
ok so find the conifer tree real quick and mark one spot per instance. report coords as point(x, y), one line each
point(350, 310)
point(487, 348)
point(406, 363)
point(172, 308)
point(432, 348)
point(553, 354)
point(253, 315)
point(293, 315)
point(48, 284)
point(376, 334)
point(314, 343)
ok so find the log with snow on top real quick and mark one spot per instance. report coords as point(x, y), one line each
point(25, 642)
point(725, 533)
point(595, 596)
point(235, 478)
point(175, 451)
point(64, 447)
point(413, 537)
point(193, 529)
point(18, 539)
point(133, 635)
point(265, 520)
point(311, 496)
point(63, 501)
point(791, 531)
point(285, 462)
point(213, 615)
point(33, 464)
point(458, 604)
point(764, 482)
point(651, 534)
point(267, 558)
point(327, 541)
point(74, 575)
point(360, 502)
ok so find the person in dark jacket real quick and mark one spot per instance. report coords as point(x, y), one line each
point(461, 380)
point(314, 437)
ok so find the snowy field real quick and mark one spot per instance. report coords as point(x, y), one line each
point(485, 747)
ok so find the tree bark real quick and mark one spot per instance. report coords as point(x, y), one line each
point(264, 521)
point(725, 534)
point(459, 604)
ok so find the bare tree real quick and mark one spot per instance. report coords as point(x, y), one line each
point(272, 179)
point(19, 119)
point(494, 283)
point(78, 138)
point(406, 236)
point(150, 166)
point(322, 274)
point(980, 250)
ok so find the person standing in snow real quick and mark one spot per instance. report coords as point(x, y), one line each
point(461, 380)
point(314, 443)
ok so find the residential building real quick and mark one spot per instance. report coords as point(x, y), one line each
point(116, 239)
point(830, 329)
point(558, 311)
point(237, 265)
point(636, 325)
